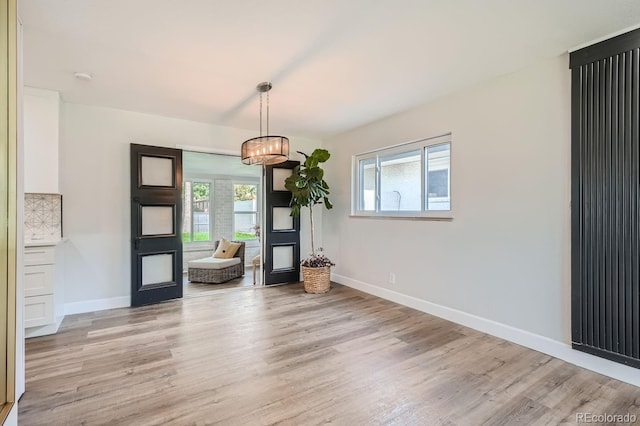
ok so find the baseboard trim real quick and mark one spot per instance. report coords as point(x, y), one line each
point(525, 338)
point(96, 305)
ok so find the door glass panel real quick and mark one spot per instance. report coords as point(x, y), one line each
point(400, 182)
point(282, 219)
point(282, 257)
point(156, 171)
point(279, 176)
point(157, 220)
point(156, 269)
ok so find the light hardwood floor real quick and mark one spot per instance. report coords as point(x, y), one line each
point(258, 356)
point(199, 289)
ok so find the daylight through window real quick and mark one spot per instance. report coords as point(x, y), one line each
point(196, 202)
point(245, 211)
point(407, 180)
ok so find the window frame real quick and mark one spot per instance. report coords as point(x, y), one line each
point(357, 192)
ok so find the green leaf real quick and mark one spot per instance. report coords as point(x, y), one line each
point(315, 173)
point(311, 162)
point(321, 155)
point(306, 183)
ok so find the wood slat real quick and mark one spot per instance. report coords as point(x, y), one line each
point(605, 203)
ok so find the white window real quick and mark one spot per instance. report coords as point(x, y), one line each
point(407, 180)
point(245, 211)
point(196, 214)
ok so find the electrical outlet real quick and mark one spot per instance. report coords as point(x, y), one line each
point(392, 278)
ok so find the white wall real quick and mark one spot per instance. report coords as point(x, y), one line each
point(503, 264)
point(94, 179)
point(505, 256)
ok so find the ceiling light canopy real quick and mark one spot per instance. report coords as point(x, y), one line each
point(267, 149)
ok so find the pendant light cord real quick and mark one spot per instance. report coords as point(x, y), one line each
point(260, 114)
point(262, 90)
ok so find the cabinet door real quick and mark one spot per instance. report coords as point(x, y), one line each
point(38, 280)
point(38, 310)
point(39, 255)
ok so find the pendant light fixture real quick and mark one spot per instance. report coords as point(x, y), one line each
point(267, 149)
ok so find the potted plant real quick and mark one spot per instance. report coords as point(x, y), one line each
point(308, 188)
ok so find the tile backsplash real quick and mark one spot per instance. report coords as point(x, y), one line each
point(42, 216)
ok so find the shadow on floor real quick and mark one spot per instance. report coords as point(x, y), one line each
point(200, 289)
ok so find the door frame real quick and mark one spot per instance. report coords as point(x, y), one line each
point(279, 198)
point(155, 244)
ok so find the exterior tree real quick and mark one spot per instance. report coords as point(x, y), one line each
point(200, 191)
point(244, 192)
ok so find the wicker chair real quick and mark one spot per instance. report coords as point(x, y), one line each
point(215, 275)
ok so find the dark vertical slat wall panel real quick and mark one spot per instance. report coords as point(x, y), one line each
point(599, 171)
point(623, 211)
point(577, 247)
point(589, 202)
point(616, 194)
point(635, 159)
point(627, 204)
point(607, 206)
point(605, 156)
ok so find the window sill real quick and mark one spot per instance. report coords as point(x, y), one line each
point(448, 218)
point(199, 246)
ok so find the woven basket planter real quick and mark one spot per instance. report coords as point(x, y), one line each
point(317, 280)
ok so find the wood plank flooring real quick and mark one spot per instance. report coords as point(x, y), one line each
point(258, 356)
point(198, 289)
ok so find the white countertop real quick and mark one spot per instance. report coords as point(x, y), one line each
point(42, 243)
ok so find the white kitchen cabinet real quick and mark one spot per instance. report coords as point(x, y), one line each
point(39, 279)
point(38, 315)
point(41, 117)
point(39, 255)
point(43, 287)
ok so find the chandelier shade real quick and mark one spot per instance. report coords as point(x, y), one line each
point(267, 149)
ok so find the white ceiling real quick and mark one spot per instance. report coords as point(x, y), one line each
point(334, 64)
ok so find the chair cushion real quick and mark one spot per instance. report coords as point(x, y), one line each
point(213, 263)
point(226, 249)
